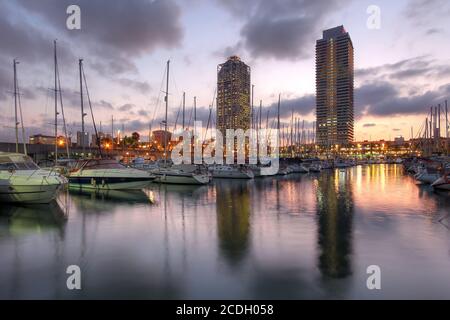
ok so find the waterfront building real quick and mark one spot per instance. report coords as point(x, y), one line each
point(334, 88)
point(82, 139)
point(160, 139)
point(233, 95)
point(44, 139)
point(102, 137)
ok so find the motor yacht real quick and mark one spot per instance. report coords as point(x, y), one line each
point(23, 181)
point(106, 174)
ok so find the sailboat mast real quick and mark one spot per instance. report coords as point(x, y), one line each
point(112, 129)
point(184, 108)
point(252, 124)
point(195, 110)
point(278, 120)
point(167, 107)
point(80, 66)
point(15, 62)
point(260, 114)
point(56, 105)
point(446, 127)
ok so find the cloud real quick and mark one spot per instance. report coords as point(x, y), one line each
point(432, 31)
point(384, 99)
point(411, 69)
point(369, 125)
point(142, 87)
point(423, 11)
point(126, 107)
point(280, 29)
point(111, 32)
point(143, 113)
point(104, 104)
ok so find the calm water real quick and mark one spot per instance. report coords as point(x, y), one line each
point(300, 236)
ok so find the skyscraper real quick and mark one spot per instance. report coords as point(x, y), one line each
point(233, 95)
point(334, 88)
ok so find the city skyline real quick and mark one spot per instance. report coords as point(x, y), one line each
point(398, 75)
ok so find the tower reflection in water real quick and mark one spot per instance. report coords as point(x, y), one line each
point(233, 219)
point(335, 219)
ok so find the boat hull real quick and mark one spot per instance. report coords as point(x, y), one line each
point(108, 183)
point(29, 194)
point(427, 178)
point(441, 184)
point(182, 179)
point(232, 175)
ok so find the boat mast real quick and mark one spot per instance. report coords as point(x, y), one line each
point(56, 105)
point(252, 109)
point(446, 128)
point(184, 107)
point(15, 62)
point(167, 107)
point(195, 110)
point(278, 120)
point(80, 66)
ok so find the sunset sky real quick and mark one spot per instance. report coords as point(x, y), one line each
point(401, 69)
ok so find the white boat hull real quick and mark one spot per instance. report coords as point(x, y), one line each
point(28, 193)
point(121, 179)
point(442, 184)
point(232, 174)
point(182, 179)
point(428, 178)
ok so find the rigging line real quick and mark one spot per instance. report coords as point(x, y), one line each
point(178, 115)
point(210, 113)
point(209, 120)
point(158, 100)
point(21, 116)
point(62, 113)
point(92, 112)
point(190, 118)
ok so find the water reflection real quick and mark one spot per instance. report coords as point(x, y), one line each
point(335, 215)
point(233, 215)
point(25, 220)
point(107, 200)
point(300, 236)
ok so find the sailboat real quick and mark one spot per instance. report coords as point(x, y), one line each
point(21, 180)
point(104, 174)
point(176, 175)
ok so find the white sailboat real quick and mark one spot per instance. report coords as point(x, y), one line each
point(231, 172)
point(22, 181)
point(174, 175)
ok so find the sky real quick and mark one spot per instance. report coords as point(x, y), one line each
point(402, 68)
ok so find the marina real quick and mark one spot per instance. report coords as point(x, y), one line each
point(298, 236)
point(224, 150)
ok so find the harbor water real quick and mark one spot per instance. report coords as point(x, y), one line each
point(309, 236)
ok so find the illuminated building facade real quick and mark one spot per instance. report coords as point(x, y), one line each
point(334, 88)
point(233, 95)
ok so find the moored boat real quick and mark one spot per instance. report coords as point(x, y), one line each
point(22, 181)
point(105, 174)
point(231, 172)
